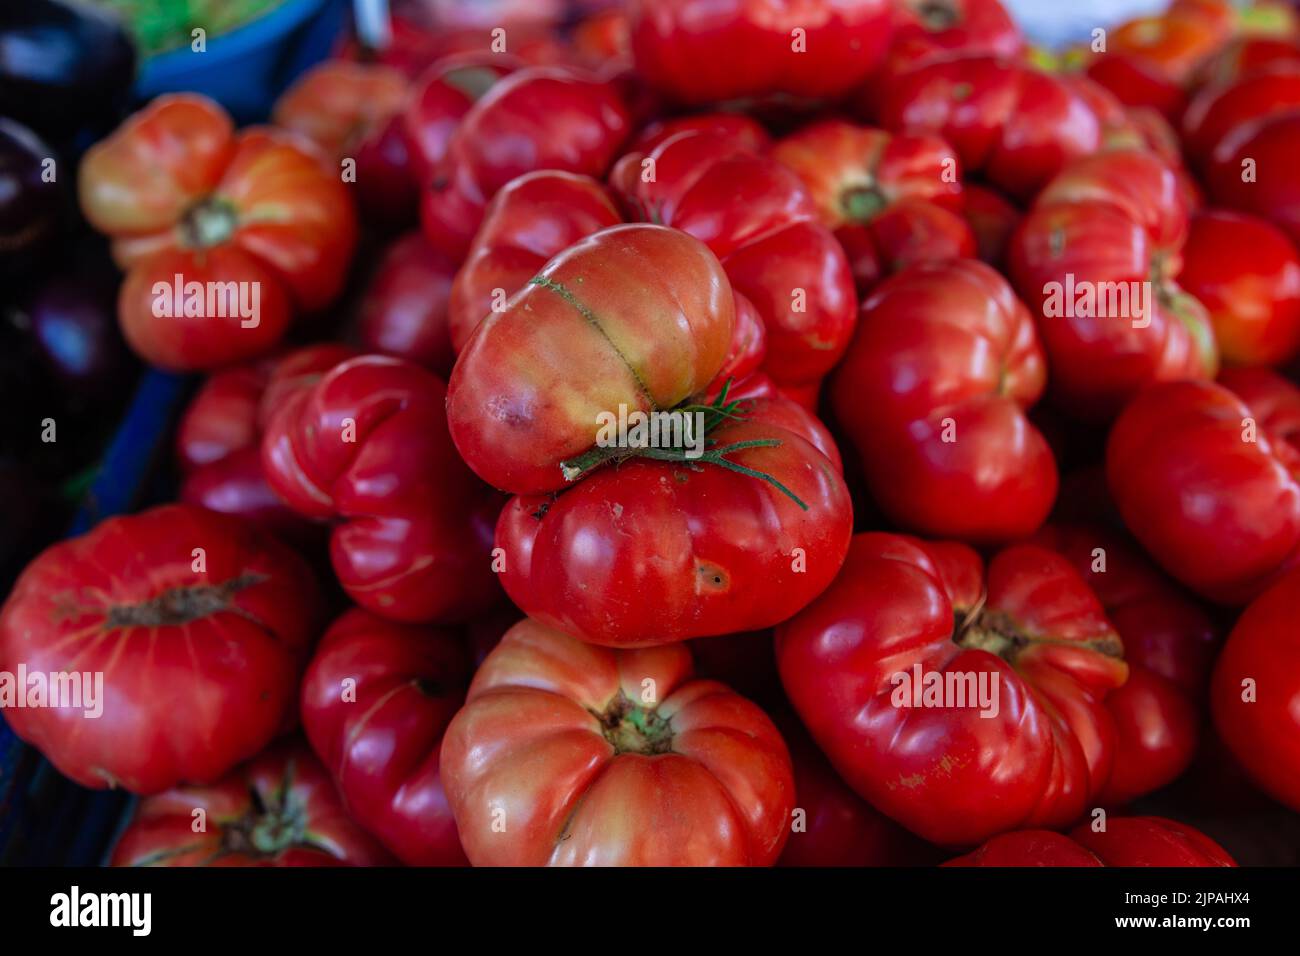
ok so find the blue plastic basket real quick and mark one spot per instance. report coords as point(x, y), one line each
point(246, 69)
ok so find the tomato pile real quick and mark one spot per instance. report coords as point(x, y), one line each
point(705, 432)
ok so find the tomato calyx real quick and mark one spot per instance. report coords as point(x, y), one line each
point(208, 223)
point(267, 829)
point(181, 605)
point(862, 203)
point(713, 414)
point(631, 728)
point(937, 15)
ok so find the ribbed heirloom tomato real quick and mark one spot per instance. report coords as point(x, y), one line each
point(894, 671)
point(1097, 259)
point(1126, 841)
point(1256, 691)
point(933, 394)
point(180, 193)
point(570, 754)
point(380, 735)
point(735, 539)
point(703, 51)
point(1207, 477)
point(279, 809)
point(366, 448)
point(200, 626)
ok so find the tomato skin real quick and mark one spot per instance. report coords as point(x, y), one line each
point(760, 221)
point(940, 343)
point(1247, 274)
point(926, 31)
point(692, 552)
point(1117, 217)
point(536, 118)
point(536, 742)
point(1011, 124)
point(439, 100)
point(1126, 841)
point(702, 52)
point(530, 220)
point(179, 192)
point(948, 774)
point(1220, 514)
point(195, 682)
point(992, 220)
point(1244, 56)
point(406, 308)
point(279, 809)
point(382, 745)
point(666, 317)
point(219, 437)
point(411, 526)
point(1272, 142)
point(1217, 110)
point(1262, 732)
point(891, 200)
point(337, 104)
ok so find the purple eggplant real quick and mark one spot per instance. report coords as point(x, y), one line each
point(30, 198)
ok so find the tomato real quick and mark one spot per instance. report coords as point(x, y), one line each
point(1247, 273)
point(531, 219)
point(1209, 480)
point(892, 200)
point(366, 448)
point(1252, 170)
point(640, 316)
point(1135, 80)
point(705, 51)
point(279, 809)
point(185, 199)
point(536, 118)
point(219, 437)
point(1217, 110)
point(933, 394)
point(1169, 646)
point(337, 104)
point(957, 769)
point(926, 31)
point(1098, 258)
point(763, 225)
point(1172, 43)
point(602, 37)
point(440, 99)
point(1125, 841)
point(380, 736)
point(1014, 125)
point(571, 754)
point(1255, 692)
point(405, 311)
point(200, 627)
point(837, 827)
point(1243, 56)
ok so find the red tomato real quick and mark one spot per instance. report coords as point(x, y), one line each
point(761, 222)
point(1126, 841)
point(892, 200)
point(992, 220)
point(1244, 56)
point(1098, 257)
point(1209, 480)
point(439, 101)
point(705, 51)
point(366, 447)
point(1173, 42)
point(933, 394)
point(837, 827)
point(1253, 170)
point(1169, 645)
point(1218, 110)
point(635, 316)
point(405, 311)
point(376, 699)
point(199, 626)
point(1247, 273)
point(1255, 692)
point(277, 810)
point(926, 31)
point(570, 754)
point(336, 104)
point(1137, 81)
point(219, 437)
point(182, 195)
point(537, 118)
point(903, 615)
point(1012, 124)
